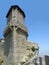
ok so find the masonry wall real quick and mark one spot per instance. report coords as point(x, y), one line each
point(8, 50)
point(1, 48)
point(47, 60)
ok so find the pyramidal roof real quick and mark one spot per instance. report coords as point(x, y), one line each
point(15, 6)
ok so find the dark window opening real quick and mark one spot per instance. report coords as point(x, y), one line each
point(14, 8)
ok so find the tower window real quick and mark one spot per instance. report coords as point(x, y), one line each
point(14, 8)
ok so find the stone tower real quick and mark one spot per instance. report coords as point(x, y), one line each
point(17, 50)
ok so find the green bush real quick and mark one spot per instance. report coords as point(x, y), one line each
point(33, 48)
point(1, 61)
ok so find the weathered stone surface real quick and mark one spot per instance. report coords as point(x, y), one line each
point(17, 50)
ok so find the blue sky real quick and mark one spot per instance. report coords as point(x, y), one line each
point(37, 20)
